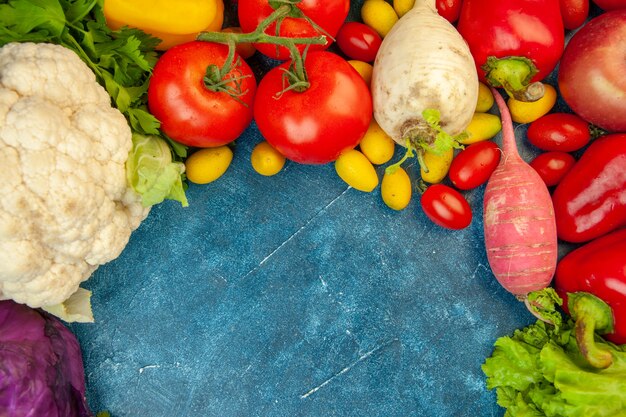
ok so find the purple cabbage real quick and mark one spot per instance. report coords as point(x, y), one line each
point(41, 366)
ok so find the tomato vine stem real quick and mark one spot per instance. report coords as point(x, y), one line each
point(296, 75)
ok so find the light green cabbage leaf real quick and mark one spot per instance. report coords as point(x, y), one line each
point(152, 173)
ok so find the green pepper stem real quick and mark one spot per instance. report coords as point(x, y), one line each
point(514, 75)
point(591, 315)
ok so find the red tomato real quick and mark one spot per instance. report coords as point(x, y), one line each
point(446, 207)
point(329, 15)
point(474, 165)
point(314, 126)
point(449, 9)
point(552, 166)
point(189, 112)
point(564, 132)
point(358, 41)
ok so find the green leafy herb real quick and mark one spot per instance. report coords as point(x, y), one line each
point(122, 59)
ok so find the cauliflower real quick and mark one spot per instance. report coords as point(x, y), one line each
point(65, 205)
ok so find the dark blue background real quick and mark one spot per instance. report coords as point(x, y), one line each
point(296, 295)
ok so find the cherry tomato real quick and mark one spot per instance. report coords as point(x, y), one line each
point(474, 165)
point(574, 13)
point(329, 15)
point(189, 112)
point(314, 126)
point(446, 207)
point(564, 132)
point(358, 41)
point(552, 166)
point(449, 9)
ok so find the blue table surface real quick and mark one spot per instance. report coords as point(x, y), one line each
point(296, 295)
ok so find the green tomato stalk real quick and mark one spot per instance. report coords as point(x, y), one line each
point(296, 76)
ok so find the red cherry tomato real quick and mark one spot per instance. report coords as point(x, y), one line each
point(449, 9)
point(564, 132)
point(552, 166)
point(189, 112)
point(329, 15)
point(574, 13)
point(358, 41)
point(474, 165)
point(314, 126)
point(446, 207)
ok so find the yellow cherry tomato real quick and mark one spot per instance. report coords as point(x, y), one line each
point(528, 112)
point(396, 189)
point(402, 6)
point(485, 98)
point(377, 145)
point(438, 166)
point(208, 164)
point(266, 160)
point(356, 170)
point(379, 15)
point(363, 68)
point(483, 126)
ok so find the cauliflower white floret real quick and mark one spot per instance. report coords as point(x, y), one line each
point(65, 206)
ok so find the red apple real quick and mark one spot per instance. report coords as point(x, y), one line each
point(592, 71)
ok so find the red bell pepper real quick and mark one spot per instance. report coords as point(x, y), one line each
point(590, 200)
point(515, 43)
point(591, 280)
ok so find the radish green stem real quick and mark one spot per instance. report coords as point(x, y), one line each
point(408, 154)
point(543, 305)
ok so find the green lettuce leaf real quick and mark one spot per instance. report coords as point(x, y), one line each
point(539, 372)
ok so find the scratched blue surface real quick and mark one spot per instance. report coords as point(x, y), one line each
point(296, 295)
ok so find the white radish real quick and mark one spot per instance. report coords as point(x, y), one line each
point(423, 65)
point(518, 219)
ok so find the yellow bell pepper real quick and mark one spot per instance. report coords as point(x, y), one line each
point(174, 22)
